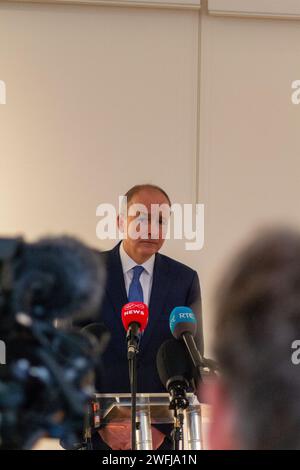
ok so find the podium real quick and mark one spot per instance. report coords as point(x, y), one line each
point(152, 409)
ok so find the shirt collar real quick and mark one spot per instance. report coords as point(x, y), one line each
point(128, 263)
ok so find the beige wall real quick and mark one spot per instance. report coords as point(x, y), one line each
point(99, 98)
point(259, 8)
point(250, 135)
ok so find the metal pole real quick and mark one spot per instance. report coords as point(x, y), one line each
point(193, 424)
point(143, 432)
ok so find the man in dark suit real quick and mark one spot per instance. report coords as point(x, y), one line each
point(137, 272)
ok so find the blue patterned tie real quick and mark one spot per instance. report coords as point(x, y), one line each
point(135, 293)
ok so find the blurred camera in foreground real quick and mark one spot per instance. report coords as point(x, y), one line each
point(48, 377)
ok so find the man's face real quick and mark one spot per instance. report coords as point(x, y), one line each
point(146, 224)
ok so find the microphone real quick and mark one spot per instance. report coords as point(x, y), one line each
point(174, 366)
point(183, 325)
point(134, 319)
point(176, 372)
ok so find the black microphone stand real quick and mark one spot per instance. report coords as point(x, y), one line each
point(179, 402)
point(194, 354)
point(132, 351)
point(203, 366)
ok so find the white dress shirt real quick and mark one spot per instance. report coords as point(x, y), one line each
point(146, 277)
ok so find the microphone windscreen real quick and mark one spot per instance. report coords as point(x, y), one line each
point(135, 312)
point(57, 278)
point(173, 361)
point(182, 320)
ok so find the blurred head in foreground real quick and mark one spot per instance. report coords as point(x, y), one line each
point(256, 400)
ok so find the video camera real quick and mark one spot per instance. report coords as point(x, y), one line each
point(48, 378)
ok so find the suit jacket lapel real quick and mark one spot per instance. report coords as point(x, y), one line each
point(115, 288)
point(159, 291)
